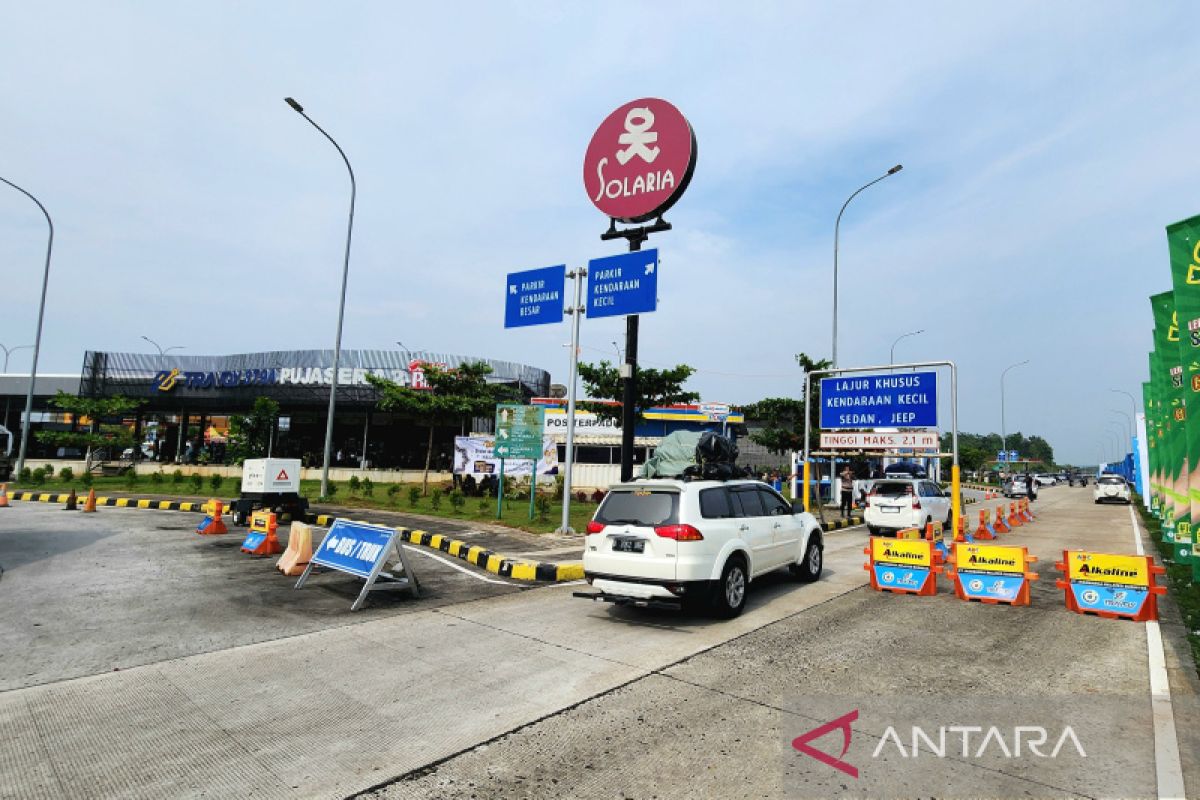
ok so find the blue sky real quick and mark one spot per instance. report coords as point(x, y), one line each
point(1045, 148)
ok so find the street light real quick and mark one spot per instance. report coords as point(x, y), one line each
point(337, 344)
point(8, 351)
point(1003, 432)
point(892, 356)
point(161, 351)
point(1128, 426)
point(836, 230)
point(37, 339)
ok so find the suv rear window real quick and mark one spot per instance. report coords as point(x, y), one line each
point(892, 488)
point(644, 507)
point(1111, 481)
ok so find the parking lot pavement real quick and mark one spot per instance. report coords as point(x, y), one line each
point(89, 593)
point(720, 723)
point(538, 694)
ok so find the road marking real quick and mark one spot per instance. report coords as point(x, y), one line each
point(1167, 769)
point(458, 567)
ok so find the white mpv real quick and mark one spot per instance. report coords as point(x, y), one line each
point(1111, 487)
point(896, 504)
point(696, 544)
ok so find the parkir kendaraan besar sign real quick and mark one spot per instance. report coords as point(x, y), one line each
point(640, 160)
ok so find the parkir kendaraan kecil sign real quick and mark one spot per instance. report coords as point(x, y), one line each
point(640, 160)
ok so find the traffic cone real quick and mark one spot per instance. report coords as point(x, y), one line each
point(1014, 519)
point(72, 502)
point(1001, 526)
point(89, 505)
point(4, 495)
point(982, 531)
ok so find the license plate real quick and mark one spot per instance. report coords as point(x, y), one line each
point(629, 545)
point(890, 509)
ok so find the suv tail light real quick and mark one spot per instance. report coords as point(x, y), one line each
point(680, 533)
point(595, 527)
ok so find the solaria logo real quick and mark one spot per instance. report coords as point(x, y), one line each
point(166, 379)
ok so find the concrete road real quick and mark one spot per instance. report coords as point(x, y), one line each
point(535, 694)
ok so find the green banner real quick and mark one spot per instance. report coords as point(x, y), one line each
point(1169, 377)
point(1183, 242)
point(1151, 444)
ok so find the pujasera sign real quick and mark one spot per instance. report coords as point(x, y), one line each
point(640, 160)
point(167, 380)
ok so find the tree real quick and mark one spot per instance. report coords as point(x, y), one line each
point(782, 420)
point(250, 434)
point(654, 388)
point(114, 436)
point(453, 395)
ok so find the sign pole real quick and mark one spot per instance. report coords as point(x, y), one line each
point(532, 488)
point(629, 389)
point(500, 492)
point(807, 434)
point(576, 312)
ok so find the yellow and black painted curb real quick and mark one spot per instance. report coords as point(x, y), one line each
point(112, 502)
point(473, 554)
point(838, 524)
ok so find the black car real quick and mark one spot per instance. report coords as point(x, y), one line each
point(904, 469)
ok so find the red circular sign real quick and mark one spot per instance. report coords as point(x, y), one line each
point(640, 160)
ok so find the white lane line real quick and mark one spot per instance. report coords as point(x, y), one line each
point(1167, 768)
point(458, 567)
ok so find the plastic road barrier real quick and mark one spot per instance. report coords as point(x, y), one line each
point(1001, 526)
point(1026, 511)
point(904, 566)
point(261, 540)
point(985, 531)
point(1109, 585)
point(212, 524)
point(299, 550)
point(991, 573)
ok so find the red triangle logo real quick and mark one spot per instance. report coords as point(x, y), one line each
point(282, 476)
point(842, 723)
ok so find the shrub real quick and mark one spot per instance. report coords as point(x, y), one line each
point(484, 506)
point(435, 500)
point(131, 478)
point(39, 476)
point(197, 481)
point(86, 479)
point(457, 499)
point(25, 475)
point(215, 482)
point(597, 495)
point(237, 486)
point(368, 487)
point(66, 474)
point(49, 470)
point(332, 490)
point(354, 484)
point(414, 496)
point(177, 477)
point(393, 490)
point(543, 507)
point(157, 477)
point(558, 486)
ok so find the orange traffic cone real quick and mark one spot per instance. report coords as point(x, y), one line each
point(1014, 519)
point(4, 495)
point(72, 502)
point(982, 531)
point(213, 524)
point(299, 550)
point(1001, 526)
point(89, 505)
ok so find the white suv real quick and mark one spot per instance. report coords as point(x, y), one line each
point(695, 543)
point(895, 504)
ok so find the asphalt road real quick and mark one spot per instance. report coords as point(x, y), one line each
point(489, 691)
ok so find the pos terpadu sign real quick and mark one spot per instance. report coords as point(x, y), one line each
point(891, 400)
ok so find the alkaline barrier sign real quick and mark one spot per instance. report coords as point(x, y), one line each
point(907, 399)
point(992, 573)
point(1110, 585)
point(534, 297)
point(902, 565)
point(623, 284)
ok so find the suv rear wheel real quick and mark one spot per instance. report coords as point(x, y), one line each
point(729, 597)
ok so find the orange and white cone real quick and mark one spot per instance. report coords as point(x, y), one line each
point(4, 495)
point(90, 505)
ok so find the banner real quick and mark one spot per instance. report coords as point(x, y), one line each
point(1151, 444)
point(473, 456)
point(1169, 378)
point(1183, 241)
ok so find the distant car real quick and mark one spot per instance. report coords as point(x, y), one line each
point(1111, 487)
point(898, 503)
point(904, 469)
point(1016, 487)
point(1046, 480)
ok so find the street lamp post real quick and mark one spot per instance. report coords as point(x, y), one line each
point(836, 230)
point(1128, 426)
point(892, 355)
point(1003, 429)
point(161, 351)
point(8, 351)
point(37, 339)
point(337, 344)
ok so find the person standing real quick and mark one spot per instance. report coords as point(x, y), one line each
point(847, 478)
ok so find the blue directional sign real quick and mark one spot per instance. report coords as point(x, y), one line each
point(624, 284)
point(534, 297)
point(354, 547)
point(892, 400)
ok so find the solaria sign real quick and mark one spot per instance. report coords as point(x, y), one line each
point(168, 379)
point(640, 160)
